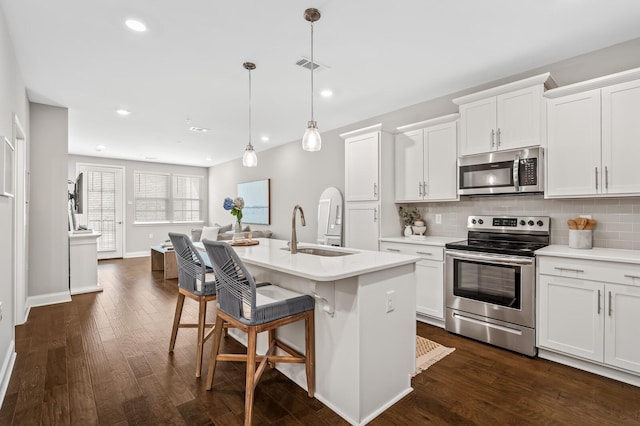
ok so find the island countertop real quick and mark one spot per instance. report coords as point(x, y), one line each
point(270, 253)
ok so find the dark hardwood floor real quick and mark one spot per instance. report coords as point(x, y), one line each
point(103, 359)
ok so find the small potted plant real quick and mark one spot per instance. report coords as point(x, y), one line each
point(408, 216)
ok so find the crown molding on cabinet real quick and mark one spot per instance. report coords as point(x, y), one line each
point(428, 123)
point(546, 79)
point(363, 131)
point(595, 83)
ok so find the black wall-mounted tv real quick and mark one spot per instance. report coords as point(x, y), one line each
point(78, 190)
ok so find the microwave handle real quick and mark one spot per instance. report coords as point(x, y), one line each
point(516, 173)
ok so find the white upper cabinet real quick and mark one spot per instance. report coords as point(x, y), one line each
point(362, 167)
point(426, 161)
point(504, 117)
point(593, 137)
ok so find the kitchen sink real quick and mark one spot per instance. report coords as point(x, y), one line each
point(316, 251)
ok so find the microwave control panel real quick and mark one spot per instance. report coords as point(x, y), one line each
point(528, 171)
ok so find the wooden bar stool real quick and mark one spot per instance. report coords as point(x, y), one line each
point(196, 282)
point(254, 308)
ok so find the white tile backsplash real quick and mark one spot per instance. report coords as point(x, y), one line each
point(618, 218)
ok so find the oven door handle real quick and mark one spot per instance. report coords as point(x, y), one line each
point(497, 259)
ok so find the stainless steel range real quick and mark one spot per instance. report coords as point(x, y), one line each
point(490, 280)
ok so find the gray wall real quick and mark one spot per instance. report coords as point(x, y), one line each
point(299, 177)
point(13, 99)
point(137, 240)
point(48, 233)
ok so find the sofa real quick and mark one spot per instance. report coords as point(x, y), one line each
point(225, 232)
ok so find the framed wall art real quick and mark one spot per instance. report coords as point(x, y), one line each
point(256, 195)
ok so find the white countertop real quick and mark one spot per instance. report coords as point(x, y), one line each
point(269, 254)
point(596, 253)
point(426, 241)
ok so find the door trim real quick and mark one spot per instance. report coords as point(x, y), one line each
point(20, 224)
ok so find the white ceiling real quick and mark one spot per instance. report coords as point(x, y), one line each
point(381, 56)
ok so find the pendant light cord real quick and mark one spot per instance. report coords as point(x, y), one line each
point(312, 68)
point(250, 108)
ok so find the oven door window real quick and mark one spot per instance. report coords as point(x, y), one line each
point(489, 175)
point(487, 282)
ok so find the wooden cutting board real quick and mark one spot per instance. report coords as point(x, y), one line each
point(245, 243)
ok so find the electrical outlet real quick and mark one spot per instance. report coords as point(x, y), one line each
point(390, 300)
point(438, 219)
point(150, 236)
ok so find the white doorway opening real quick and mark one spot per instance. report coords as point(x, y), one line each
point(20, 222)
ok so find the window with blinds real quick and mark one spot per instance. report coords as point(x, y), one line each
point(187, 196)
point(101, 207)
point(151, 192)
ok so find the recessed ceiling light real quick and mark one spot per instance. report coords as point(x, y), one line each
point(326, 93)
point(123, 111)
point(135, 25)
point(100, 148)
point(198, 129)
point(209, 159)
point(265, 139)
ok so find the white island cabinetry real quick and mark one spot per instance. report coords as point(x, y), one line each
point(589, 308)
point(364, 323)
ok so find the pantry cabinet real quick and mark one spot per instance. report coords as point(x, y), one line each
point(591, 310)
point(504, 117)
point(592, 137)
point(368, 187)
point(426, 161)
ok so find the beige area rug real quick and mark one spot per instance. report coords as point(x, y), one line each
point(428, 353)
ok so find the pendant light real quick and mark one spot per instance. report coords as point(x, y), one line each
point(249, 159)
point(311, 140)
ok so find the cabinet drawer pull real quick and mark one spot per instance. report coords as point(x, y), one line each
point(632, 277)
point(425, 253)
point(392, 249)
point(599, 302)
point(609, 303)
point(568, 269)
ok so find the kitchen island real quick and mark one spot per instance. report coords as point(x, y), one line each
point(364, 322)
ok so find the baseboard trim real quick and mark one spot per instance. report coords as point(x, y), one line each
point(137, 254)
point(48, 299)
point(7, 369)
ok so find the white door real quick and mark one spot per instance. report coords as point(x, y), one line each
point(621, 138)
point(430, 288)
point(573, 145)
point(361, 157)
point(103, 207)
point(362, 226)
point(440, 162)
point(519, 118)
point(478, 126)
point(622, 340)
point(571, 316)
point(409, 166)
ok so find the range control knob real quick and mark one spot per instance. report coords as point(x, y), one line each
point(473, 221)
point(539, 223)
point(480, 221)
point(530, 223)
point(522, 222)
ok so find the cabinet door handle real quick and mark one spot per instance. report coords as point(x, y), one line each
point(375, 215)
point(424, 188)
point(568, 269)
point(599, 302)
point(424, 253)
point(632, 276)
point(420, 190)
point(596, 178)
point(392, 249)
point(610, 304)
point(498, 136)
point(493, 138)
point(606, 177)
point(375, 189)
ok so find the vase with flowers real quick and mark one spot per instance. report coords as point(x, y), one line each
point(408, 216)
point(235, 206)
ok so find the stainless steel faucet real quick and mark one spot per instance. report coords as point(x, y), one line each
point(294, 238)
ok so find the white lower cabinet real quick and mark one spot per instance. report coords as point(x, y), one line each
point(580, 314)
point(429, 278)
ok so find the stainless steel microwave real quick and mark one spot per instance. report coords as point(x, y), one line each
point(514, 171)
